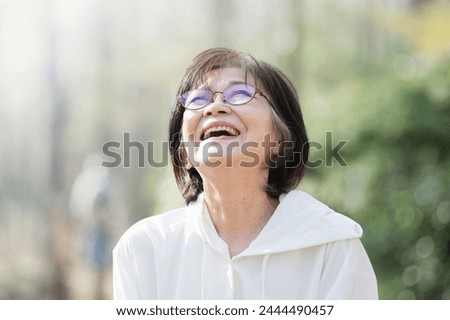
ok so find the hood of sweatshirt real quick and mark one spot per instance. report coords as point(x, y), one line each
point(299, 221)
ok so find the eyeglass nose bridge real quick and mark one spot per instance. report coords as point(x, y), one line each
point(212, 96)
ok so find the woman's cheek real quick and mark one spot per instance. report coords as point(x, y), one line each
point(188, 126)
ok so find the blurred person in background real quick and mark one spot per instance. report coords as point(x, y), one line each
point(239, 148)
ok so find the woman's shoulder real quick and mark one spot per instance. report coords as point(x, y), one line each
point(159, 226)
point(166, 219)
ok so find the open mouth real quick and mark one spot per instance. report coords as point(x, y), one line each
point(218, 132)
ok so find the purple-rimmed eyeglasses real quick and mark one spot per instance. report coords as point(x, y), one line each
point(237, 94)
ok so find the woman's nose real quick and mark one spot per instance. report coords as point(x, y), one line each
point(217, 106)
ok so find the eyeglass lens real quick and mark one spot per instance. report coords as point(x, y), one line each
point(235, 95)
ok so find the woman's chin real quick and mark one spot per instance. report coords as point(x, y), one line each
point(230, 160)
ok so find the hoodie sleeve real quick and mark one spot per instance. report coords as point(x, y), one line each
point(134, 271)
point(347, 273)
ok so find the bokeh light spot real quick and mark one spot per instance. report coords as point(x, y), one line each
point(424, 247)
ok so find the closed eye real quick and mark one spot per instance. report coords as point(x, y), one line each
point(198, 99)
point(241, 92)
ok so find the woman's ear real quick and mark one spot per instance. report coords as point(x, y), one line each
point(274, 143)
point(188, 165)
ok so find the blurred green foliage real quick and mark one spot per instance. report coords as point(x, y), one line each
point(397, 184)
point(407, 198)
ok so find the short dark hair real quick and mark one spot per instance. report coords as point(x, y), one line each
point(287, 116)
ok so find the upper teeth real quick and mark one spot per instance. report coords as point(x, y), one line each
point(230, 130)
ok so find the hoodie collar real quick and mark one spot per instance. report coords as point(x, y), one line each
point(299, 221)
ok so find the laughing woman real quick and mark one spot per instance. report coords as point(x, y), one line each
point(239, 149)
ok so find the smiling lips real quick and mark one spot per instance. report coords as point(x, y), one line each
point(218, 131)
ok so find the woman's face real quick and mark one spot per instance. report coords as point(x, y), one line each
point(221, 134)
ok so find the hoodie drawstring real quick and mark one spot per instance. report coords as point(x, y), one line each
point(203, 269)
point(263, 275)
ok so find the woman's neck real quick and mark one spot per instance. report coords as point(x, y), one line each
point(238, 205)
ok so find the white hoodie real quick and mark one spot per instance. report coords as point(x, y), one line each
point(305, 251)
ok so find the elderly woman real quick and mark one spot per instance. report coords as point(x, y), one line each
point(239, 149)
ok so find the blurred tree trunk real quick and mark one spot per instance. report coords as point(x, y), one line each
point(57, 288)
point(222, 13)
point(419, 3)
point(296, 14)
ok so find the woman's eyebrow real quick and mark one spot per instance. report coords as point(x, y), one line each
point(236, 82)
